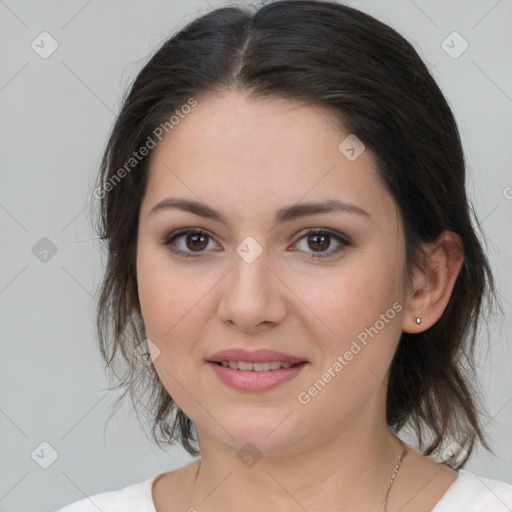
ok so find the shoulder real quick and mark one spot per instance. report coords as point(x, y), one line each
point(136, 496)
point(473, 493)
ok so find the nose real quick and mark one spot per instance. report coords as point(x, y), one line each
point(253, 296)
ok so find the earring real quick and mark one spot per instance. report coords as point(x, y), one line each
point(417, 320)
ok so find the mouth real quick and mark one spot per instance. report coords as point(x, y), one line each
point(268, 366)
point(251, 377)
point(255, 370)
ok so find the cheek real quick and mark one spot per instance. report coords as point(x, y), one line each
point(168, 294)
point(361, 309)
point(175, 307)
point(357, 314)
point(169, 305)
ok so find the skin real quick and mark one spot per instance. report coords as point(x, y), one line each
point(247, 158)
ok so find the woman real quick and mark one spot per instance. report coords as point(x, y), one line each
point(293, 271)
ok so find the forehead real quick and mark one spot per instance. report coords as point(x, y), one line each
point(250, 126)
point(231, 148)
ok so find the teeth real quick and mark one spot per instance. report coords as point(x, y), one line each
point(257, 367)
point(261, 367)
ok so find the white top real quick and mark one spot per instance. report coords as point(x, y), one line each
point(469, 493)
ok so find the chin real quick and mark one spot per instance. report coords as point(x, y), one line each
point(268, 434)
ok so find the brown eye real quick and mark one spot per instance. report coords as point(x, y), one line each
point(318, 240)
point(195, 241)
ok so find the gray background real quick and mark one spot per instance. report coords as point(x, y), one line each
point(55, 117)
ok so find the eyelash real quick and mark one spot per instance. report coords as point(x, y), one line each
point(343, 240)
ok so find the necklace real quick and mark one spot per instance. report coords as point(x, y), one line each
point(392, 481)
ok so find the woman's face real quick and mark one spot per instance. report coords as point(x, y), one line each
point(257, 281)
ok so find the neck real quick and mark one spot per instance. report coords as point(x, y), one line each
point(349, 472)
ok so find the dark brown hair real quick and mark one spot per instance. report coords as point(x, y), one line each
point(331, 55)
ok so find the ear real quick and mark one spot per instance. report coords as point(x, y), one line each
point(433, 285)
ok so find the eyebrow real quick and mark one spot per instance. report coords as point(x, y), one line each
point(285, 214)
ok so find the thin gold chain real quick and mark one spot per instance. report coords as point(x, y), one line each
point(392, 481)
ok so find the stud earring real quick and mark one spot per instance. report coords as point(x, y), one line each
point(417, 320)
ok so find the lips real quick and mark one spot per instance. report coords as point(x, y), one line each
point(253, 356)
point(255, 371)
